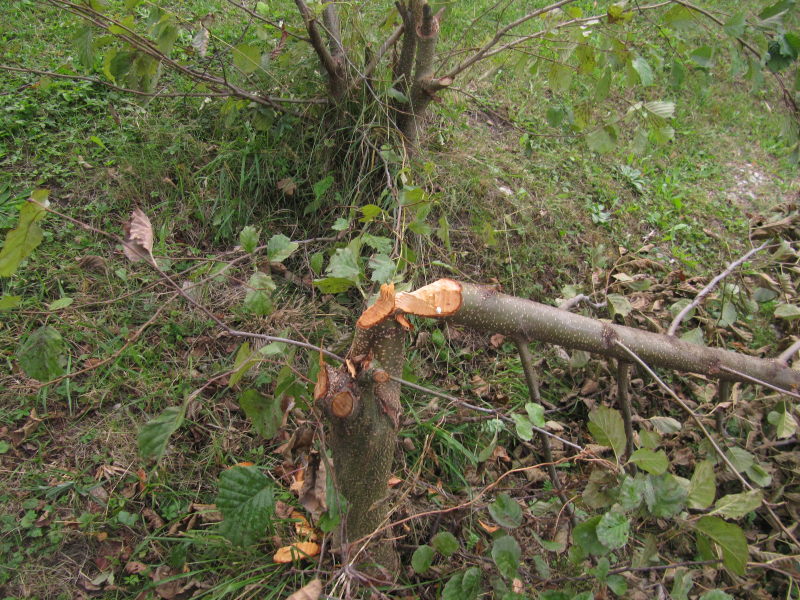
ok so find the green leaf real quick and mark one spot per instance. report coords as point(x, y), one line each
point(445, 543)
point(643, 70)
point(716, 595)
point(601, 490)
point(694, 336)
point(248, 239)
point(333, 285)
point(585, 536)
point(729, 538)
point(666, 425)
point(649, 439)
point(682, 584)
point(383, 268)
point(280, 247)
point(560, 77)
point(535, 414)
point(735, 506)
point(258, 299)
point(734, 26)
point(246, 58)
point(397, 95)
point(422, 558)
point(523, 427)
point(618, 305)
point(790, 312)
point(677, 74)
point(679, 17)
point(265, 413)
point(84, 42)
point(322, 186)
point(703, 486)
point(316, 261)
point(506, 511)
point(26, 236)
point(617, 584)
point(631, 492)
point(664, 495)
point(9, 302)
point(463, 586)
point(650, 461)
point(661, 109)
point(243, 362)
point(506, 553)
point(613, 530)
point(702, 57)
point(382, 245)
point(740, 458)
point(783, 420)
point(42, 355)
point(246, 501)
point(607, 428)
point(344, 265)
point(166, 33)
point(775, 12)
point(603, 87)
point(602, 140)
point(154, 435)
point(60, 303)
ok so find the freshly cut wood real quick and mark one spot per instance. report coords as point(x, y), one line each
point(441, 298)
point(383, 308)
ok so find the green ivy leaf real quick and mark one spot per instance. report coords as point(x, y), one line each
point(248, 239)
point(42, 355)
point(506, 511)
point(445, 543)
point(154, 435)
point(729, 538)
point(607, 428)
point(246, 58)
point(246, 501)
point(265, 413)
point(280, 247)
point(422, 559)
point(26, 236)
point(613, 530)
point(650, 461)
point(258, 299)
point(735, 506)
point(703, 486)
point(506, 553)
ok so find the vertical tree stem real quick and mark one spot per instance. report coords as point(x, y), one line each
point(624, 399)
point(723, 395)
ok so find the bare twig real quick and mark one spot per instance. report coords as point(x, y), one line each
point(624, 398)
point(752, 379)
point(789, 353)
point(710, 287)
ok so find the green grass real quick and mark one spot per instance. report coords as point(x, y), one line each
point(527, 206)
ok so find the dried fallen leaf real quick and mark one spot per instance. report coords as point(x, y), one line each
point(393, 481)
point(287, 186)
point(313, 492)
point(310, 591)
point(135, 566)
point(497, 340)
point(321, 386)
point(138, 241)
point(91, 262)
point(200, 42)
point(297, 551)
point(488, 528)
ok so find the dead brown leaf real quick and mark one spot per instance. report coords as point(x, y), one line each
point(497, 340)
point(313, 491)
point(138, 241)
point(287, 186)
point(310, 591)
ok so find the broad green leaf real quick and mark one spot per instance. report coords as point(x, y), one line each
point(383, 268)
point(740, 458)
point(666, 425)
point(248, 239)
point(735, 506)
point(382, 245)
point(790, 312)
point(679, 17)
point(154, 435)
point(258, 299)
point(265, 413)
point(617, 584)
point(664, 110)
point(702, 57)
point(664, 495)
point(463, 586)
point(729, 538)
point(535, 414)
point(703, 486)
point(246, 58)
point(84, 42)
point(602, 140)
point(728, 315)
point(445, 543)
point(618, 305)
point(344, 265)
point(775, 12)
point(631, 492)
point(422, 558)
point(244, 361)
point(607, 428)
point(523, 427)
point(585, 536)
point(166, 33)
point(613, 530)
point(601, 490)
point(759, 475)
point(506, 511)
point(560, 77)
point(60, 303)
point(681, 584)
point(649, 439)
point(783, 420)
point(333, 285)
point(322, 186)
point(643, 70)
point(337, 506)
point(734, 26)
point(26, 236)
point(650, 461)
point(246, 502)
point(506, 553)
point(9, 302)
point(316, 261)
point(42, 354)
point(694, 336)
point(280, 247)
point(397, 95)
point(603, 87)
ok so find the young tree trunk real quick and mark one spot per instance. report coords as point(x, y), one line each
point(363, 402)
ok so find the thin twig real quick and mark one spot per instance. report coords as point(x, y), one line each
point(710, 287)
point(624, 399)
point(788, 353)
point(752, 379)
